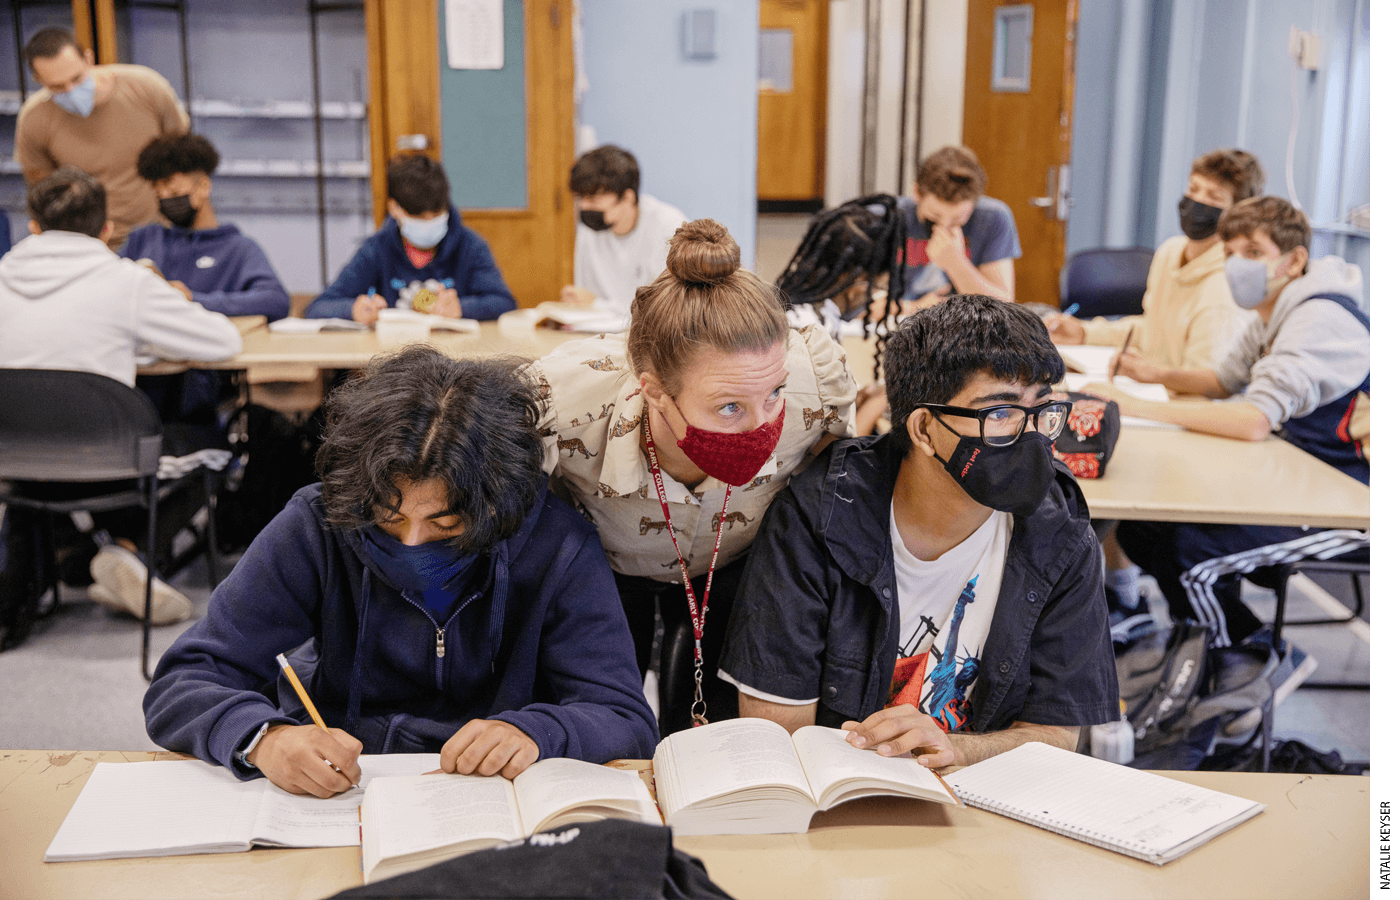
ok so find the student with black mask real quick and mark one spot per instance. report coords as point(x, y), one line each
point(621, 240)
point(937, 589)
point(212, 263)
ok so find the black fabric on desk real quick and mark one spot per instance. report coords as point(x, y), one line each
point(606, 859)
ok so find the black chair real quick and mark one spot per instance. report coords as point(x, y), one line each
point(79, 427)
point(1105, 282)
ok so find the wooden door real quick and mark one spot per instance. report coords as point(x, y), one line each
point(792, 100)
point(1020, 127)
point(533, 240)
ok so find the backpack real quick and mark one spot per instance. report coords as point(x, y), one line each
point(1178, 691)
point(23, 574)
point(274, 457)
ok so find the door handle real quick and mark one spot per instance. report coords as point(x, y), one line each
point(1043, 202)
point(412, 142)
point(1057, 200)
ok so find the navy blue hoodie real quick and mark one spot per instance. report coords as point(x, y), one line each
point(540, 641)
point(224, 269)
point(462, 261)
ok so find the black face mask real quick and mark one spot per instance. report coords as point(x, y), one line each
point(1013, 479)
point(593, 218)
point(1198, 220)
point(178, 210)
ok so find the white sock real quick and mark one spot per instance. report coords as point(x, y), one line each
point(1124, 582)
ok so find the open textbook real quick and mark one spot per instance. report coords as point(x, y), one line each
point(748, 776)
point(568, 317)
point(1138, 813)
point(410, 818)
point(411, 822)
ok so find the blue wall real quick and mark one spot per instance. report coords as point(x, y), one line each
point(1217, 75)
point(692, 124)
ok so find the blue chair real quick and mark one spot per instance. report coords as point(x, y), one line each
point(1105, 282)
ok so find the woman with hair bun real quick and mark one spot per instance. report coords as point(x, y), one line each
point(673, 439)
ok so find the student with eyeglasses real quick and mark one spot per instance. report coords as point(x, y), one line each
point(937, 589)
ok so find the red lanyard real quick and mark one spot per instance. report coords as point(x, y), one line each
point(697, 610)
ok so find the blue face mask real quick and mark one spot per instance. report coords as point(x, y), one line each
point(425, 234)
point(1249, 280)
point(79, 100)
point(435, 572)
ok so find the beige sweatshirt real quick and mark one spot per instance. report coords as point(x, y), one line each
point(1188, 316)
point(138, 107)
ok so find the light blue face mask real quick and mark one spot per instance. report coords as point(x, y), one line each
point(1249, 280)
point(79, 100)
point(425, 234)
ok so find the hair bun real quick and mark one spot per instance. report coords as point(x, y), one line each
point(702, 252)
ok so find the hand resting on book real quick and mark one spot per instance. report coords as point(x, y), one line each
point(903, 729)
point(303, 759)
point(489, 747)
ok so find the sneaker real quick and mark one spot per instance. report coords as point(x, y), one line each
point(119, 579)
point(1127, 622)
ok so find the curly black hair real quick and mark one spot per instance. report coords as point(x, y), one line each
point(861, 238)
point(176, 154)
point(419, 415)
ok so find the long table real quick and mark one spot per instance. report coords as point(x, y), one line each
point(1311, 841)
point(1155, 474)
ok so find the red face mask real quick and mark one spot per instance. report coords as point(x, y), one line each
point(732, 458)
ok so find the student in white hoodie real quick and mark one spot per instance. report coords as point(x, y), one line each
point(69, 302)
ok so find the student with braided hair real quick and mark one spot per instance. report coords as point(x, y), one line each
point(847, 264)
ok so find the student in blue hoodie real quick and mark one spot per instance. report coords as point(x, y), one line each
point(213, 264)
point(437, 596)
point(423, 258)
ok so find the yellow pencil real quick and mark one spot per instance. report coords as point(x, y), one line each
point(301, 691)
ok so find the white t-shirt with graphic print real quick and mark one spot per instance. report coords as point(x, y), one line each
point(929, 594)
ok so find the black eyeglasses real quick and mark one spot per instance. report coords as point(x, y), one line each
point(1003, 425)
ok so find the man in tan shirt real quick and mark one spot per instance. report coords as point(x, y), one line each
point(1187, 311)
point(96, 118)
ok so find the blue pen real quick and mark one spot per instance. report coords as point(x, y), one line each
point(1068, 311)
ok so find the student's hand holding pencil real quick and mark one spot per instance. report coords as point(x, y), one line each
point(1131, 363)
point(308, 759)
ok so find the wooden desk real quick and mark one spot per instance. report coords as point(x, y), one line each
point(1312, 841)
point(354, 349)
point(1171, 475)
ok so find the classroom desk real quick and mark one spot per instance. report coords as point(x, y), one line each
point(1155, 474)
point(1172, 475)
point(1311, 841)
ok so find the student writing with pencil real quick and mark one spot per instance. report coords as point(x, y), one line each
point(431, 594)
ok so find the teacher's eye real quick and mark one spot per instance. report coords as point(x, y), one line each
point(778, 391)
point(729, 409)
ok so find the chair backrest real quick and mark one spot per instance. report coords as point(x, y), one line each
point(74, 426)
point(1106, 282)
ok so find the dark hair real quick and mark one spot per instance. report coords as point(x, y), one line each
point(420, 415)
point(48, 43)
point(68, 200)
point(1238, 170)
point(952, 174)
point(176, 154)
point(936, 350)
point(418, 183)
point(861, 238)
point(703, 299)
point(605, 170)
point(1285, 224)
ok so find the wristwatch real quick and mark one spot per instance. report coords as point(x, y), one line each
point(241, 755)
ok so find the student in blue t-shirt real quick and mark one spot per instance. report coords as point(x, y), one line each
point(213, 264)
point(423, 258)
point(958, 240)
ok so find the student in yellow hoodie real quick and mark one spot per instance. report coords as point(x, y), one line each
point(1187, 312)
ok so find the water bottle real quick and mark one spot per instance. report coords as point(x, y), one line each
point(1112, 741)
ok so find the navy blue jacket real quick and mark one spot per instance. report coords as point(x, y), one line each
point(539, 641)
point(463, 261)
point(817, 614)
point(224, 269)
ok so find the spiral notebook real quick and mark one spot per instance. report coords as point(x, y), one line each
point(1148, 816)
